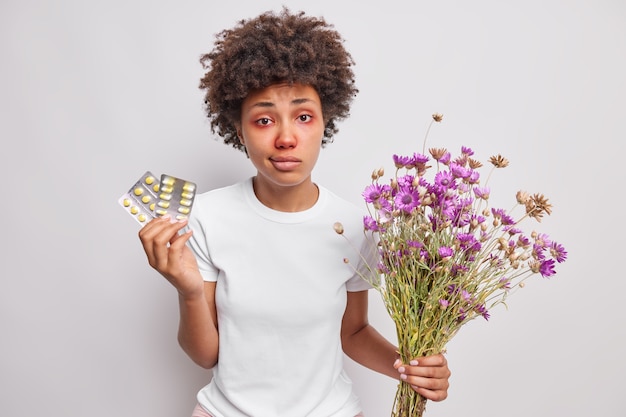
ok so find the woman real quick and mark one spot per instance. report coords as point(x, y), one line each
point(266, 300)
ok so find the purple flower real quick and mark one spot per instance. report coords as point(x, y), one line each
point(538, 252)
point(419, 158)
point(370, 224)
point(507, 220)
point(462, 315)
point(558, 252)
point(546, 269)
point(402, 161)
point(512, 230)
point(468, 242)
point(444, 303)
point(503, 216)
point(467, 151)
point(385, 215)
point(482, 310)
point(523, 241)
point(543, 240)
point(407, 200)
point(476, 220)
point(459, 171)
point(459, 269)
point(482, 192)
point(405, 182)
point(474, 177)
point(444, 179)
point(445, 251)
point(414, 244)
point(374, 192)
point(445, 159)
point(497, 213)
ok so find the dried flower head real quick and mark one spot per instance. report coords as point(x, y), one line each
point(437, 153)
point(437, 117)
point(474, 163)
point(542, 203)
point(499, 161)
point(522, 197)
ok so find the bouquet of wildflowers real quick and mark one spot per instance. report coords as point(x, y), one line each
point(447, 257)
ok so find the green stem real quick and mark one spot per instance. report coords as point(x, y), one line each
point(407, 402)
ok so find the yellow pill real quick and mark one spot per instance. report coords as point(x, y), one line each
point(156, 188)
point(167, 189)
point(167, 180)
point(184, 210)
point(141, 218)
point(138, 191)
point(145, 199)
point(165, 196)
point(161, 212)
point(185, 202)
point(149, 180)
point(152, 206)
point(126, 202)
point(189, 186)
point(164, 204)
point(180, 217)
point(187, 195)
point(134, 210)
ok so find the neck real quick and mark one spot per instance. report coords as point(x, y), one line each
point(291, 199)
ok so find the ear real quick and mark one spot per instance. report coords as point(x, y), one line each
point(240, 134)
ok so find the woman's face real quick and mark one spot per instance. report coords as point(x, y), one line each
point(282, 127)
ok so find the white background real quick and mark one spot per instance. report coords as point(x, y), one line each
point(93, 94)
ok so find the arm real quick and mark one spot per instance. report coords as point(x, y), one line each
point(168, 253)
point(428, 376)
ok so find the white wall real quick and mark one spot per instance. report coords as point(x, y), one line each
point(92, 94)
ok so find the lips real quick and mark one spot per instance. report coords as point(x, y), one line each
point(285, 163)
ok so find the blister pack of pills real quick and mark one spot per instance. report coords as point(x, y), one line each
point(149, 198)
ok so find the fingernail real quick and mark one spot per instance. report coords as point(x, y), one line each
point(413, 363)
point(403, 376)
point(415, 387)
point(397, 362)
point(401, 369)
point(166, 216)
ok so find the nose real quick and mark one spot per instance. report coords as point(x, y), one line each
point(286, 138)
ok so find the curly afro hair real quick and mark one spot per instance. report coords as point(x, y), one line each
point(276, 47)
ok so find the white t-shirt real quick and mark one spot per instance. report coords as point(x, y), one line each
point(280, 296)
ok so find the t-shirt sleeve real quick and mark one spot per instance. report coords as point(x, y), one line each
point(199, 246)
point(366, 274)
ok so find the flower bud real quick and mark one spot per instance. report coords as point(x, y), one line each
point(338, 228)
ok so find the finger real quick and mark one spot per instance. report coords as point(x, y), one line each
point(433, 395)
point(177, 248)
point(185, 236)
point(432, 360)
point(148, 233)
point(159, 243)
point(162, 247)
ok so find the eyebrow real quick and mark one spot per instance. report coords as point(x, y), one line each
point(294, 101)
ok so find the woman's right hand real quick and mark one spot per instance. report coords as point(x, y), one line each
point(168, 253)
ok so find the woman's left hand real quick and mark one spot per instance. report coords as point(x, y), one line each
point(427, 375)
